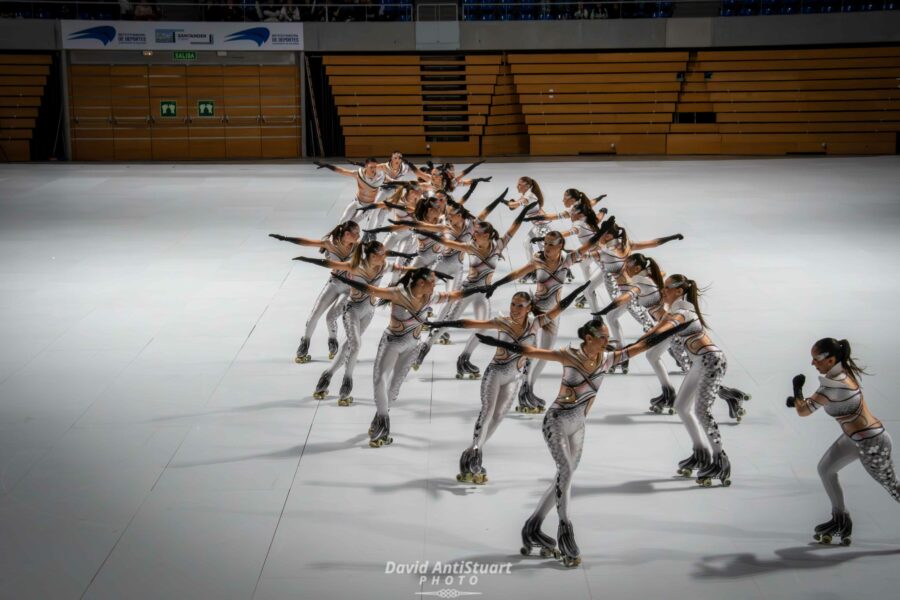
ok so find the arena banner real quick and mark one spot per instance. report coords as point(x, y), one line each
point(147, 35)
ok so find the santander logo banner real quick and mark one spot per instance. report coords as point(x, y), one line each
point(148, 35)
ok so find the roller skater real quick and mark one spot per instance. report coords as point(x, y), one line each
point(700, 387)
point(410, 302)
point(501, 375)
point(337, 245)
point(369, 177)
point(549, 266)
point(367, 265)
point(530, 194)
point(563, 428)
point(863, 436)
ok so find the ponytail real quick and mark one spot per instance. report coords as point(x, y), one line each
point(338, 232)
point(840, 350)
point(411, 277)
point(535, 189)
point(691, 293)
point(594, 327)
point(363, 252)
point(645, 263)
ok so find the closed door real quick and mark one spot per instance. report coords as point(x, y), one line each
point(242, 112)
point(206, 107)
point(279, 99)
point(169, 112)
point(130, 112)
point(93, 136)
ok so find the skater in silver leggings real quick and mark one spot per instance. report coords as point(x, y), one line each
point(549, 266)
point(410, 301)
point(366, 265)
point(337, 246)
point(369, 178)
point(698, 391)
point(425, 219)
point(501, 376)
point(614, 248)
point(563, 429)
point(530, 195)
point(863, 437)
point(584, 224)
point(484, 250)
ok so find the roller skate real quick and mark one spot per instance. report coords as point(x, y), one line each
point(570, 278)
point(719, 468)
point(581, 302)
point(345, 399)
point(565, 536)
point(465, 369)
point(470, 469)
point(528, 278)
point(424, 349)
point(444, 340)
point(332, 347)
point(623, 366)
point(735, 399)
point(379, 431)
point(664, 402)
point(528, 402)
point(533, 537)
point(303, 352)
point(840, 526)
point(322, 386)
point(698, 460)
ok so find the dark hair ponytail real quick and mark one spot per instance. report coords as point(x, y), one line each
point(691, 292)
point(840, 350)
point(338, 232)
point(535, 189)
point(422, 206)
point(594, 327)
point(644, 262)
point(489, 230)
point(364, 251)
point(411, 277)
point(460, 209)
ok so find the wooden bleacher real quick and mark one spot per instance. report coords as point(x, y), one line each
point(769, 102)
point(596, 103)
point(430, 104)
point(505, 131)
point(23, 79)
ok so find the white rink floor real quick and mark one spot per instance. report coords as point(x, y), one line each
point(158, 441)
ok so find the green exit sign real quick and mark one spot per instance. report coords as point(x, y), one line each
point(206, 108)
point(185, 55)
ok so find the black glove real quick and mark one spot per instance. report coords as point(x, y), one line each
point(571, 296)
point(600, 197)
point(798, 381)
point(394, 206)
point(324, 166)
point(791, 402)
point(469, 193)
point(396, 254)
point(482, 179)
point(492, 341)
point(442, 324)
point(367, 207)
point(478, 289)
point(537, 240)
point(429, 234)
point(605, 310)
point(493, 287)
point(359, 285)
point(406, 222)
point(390, 185)
point(408, 163)
point(314, 261)
point(655, 338)
point(443, 276)
point(278, 237)
point(670, 238)
point(379, 229)
point(471, 167)
point(604, 211)
point(496, 202)
point(522, 214)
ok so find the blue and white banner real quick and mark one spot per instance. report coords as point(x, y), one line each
point(148, 35)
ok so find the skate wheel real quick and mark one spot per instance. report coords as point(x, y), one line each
point(726, 483)
point(671, 411)
point(704, 482)
point(624, 371)
point(479, 479)
point(549, 553)
point(655, 410)
point(476, 376)
point(523, 550)
point(415, 367)
point(464, 477)
point(459, 375)
point(845, 541)
point(319, 395)
point(683, 472)
point(572, 562)
point(825, 539)
point(331, 355)
point(345, 401)
point(741, 413)
point(738, 419)
point(300, 360)
point(520, 409)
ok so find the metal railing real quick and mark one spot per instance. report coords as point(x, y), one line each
point(402, 10)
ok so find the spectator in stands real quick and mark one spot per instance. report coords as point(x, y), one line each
point(146, 10)
point(126, 11)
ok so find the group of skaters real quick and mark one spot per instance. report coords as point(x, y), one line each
point(411, 241)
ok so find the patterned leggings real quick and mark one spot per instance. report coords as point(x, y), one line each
point(498, 388)
point(564, 434)
point(393, 361)
point(357, 317)
point(875, 455)
point(695, 398)
point(332, 297)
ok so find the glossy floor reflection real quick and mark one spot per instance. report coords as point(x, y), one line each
point(158, 441)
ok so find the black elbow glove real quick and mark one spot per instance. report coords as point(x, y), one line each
point(321, 165)
point(352, 283)
point(313, 261)
point(492, 341)
point(278, 237)
point(395, 254)
point(571, 296)
point(379, 229)
point(798, 381)
point(478, 289)
point(443, 276)
point(471, 167)
point(429, 234)
point(442, 324)
point(670, 238)
point(523, 214)
point(367, 207)
point(655, 338)
point(482, 179)
point(605, 310)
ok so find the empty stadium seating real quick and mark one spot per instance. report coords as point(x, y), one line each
point(23, 79)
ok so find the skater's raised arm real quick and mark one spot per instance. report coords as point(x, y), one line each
point(567, 301)
point(523, 349)
point(656, 242)
point(299, 240)
point(328, 264)
point(620, 300)
point(647, 342)
point(389, 294)
point(464, 324)
point(520, 272)
point(422, 225)
point(336, 169)
point(501, 199)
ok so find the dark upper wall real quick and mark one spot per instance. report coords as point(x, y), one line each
point(473, 36)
